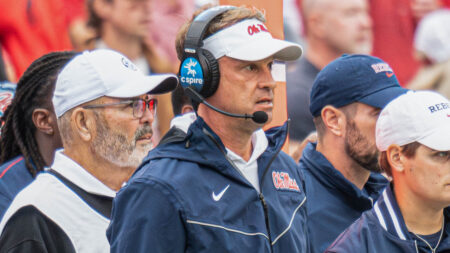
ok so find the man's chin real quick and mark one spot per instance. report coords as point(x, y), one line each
point(144, 148)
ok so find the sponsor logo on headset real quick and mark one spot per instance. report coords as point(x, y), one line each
point(191, 74)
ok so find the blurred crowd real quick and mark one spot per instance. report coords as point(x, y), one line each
point(411, 35)
point(61, 61)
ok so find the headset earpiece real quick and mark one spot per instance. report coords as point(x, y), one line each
point(213, 77)
point(199, 69)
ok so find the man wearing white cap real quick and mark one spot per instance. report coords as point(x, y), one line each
point(226, 186)
point(105, 112)
point(412, 215)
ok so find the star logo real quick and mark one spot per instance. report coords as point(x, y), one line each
point(189, 67)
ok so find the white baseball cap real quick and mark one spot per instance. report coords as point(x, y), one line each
point(249, 40)
point(422, 116)
point(433, 34)
point(104, 72)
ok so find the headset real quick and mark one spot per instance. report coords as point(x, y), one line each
point(199, 70)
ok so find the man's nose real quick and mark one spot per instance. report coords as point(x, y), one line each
point(148, 116)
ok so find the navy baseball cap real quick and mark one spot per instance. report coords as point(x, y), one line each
point(354, 78)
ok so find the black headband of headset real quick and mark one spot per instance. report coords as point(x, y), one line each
point(194, 36)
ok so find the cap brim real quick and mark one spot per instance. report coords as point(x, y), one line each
point(259, 50)
point(439, 139)
point(381, 98)
point(153, 84)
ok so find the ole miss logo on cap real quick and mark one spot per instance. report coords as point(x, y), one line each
point(256, 28)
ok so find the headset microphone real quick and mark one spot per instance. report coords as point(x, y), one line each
point(259, 117)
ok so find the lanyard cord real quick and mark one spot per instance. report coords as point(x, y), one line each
point(439, 241)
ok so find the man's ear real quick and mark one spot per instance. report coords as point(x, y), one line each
point(395, 158)
point(43, 121)
point(83, 123)
point(334, 120)
point(187, 108)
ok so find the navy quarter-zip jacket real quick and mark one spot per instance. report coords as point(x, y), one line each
point(188, 197)
point(334, 203)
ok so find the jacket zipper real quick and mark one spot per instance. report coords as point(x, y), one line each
point(261, 196)
point(266, 218)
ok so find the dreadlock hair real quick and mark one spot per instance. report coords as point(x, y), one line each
point(34, 90)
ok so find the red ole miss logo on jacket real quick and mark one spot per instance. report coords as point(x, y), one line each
point(282, 181)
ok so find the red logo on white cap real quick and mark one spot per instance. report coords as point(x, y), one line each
point(252, 29)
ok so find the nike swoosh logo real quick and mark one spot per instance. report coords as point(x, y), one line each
point(389, 74)
point(219, 196)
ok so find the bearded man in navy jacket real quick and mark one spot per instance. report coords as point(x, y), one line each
point(341, 170)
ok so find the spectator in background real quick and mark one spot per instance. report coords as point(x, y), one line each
point(394, 23)
point(124, 25)
point(412, 214)
point(184, 112)
point(29, 29)
point(332, 29)
point(341, 172)
point(105, 112)
point(292, 22)
point(432, 44)
point(171, 13)
point(30, 134)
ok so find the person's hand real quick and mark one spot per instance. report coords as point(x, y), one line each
point(296, 148)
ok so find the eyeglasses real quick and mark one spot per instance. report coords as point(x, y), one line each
point(138, 105)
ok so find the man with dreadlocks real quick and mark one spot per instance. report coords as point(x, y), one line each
point(30, 134)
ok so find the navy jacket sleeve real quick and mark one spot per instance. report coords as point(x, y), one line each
point(354, 239)
point(146, 217)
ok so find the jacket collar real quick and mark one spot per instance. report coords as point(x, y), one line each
point(184, 121)
point(259, 143)
point(322, 170)
point(388, 214)
point(203, 146)
point(71, 170)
